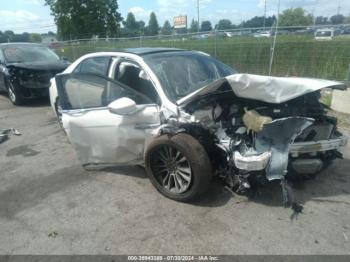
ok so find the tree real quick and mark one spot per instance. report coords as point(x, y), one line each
point(166, 29)
point(153, 26)
point(9, 36)
point(347, 20)
point(83, 18)
point(337, 19)
point(224, 24)
point(24, 37)
point(131, 26)
point(141, 25)
point(36, 38)
point(206, 26)
point(258, 21)
point(295, 17)
point(194, 26)
point(321, 20)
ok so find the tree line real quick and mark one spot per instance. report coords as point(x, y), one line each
point(77, 19)
point(289, 17)
point(10, 36)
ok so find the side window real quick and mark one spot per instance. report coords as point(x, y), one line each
point(82, 91)
point(133, 76)
point(94, 65)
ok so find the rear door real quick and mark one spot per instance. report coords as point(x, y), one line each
point(98, 135)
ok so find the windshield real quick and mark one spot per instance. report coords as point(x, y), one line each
point(29, 53)
point(181, 73)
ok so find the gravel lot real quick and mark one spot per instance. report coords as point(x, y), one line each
point(44, 191)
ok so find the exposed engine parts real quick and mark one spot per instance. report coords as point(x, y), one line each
point(250, 141)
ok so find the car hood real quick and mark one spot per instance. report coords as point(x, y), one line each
point(56, 66)
point(268, 89)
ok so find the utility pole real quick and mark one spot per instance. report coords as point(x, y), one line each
point(264, 13)
point(338, 10)
point(272, 53)
point(198, 14)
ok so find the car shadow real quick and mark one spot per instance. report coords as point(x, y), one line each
point(216, 195)
point(35, 102)
point(131, 171)
point(323, 187)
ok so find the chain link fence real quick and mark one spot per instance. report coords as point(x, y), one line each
point(299, 51)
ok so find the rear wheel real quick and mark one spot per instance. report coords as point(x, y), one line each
point(14, 95)
point(178, 167)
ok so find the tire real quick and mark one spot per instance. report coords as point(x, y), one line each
point(14, 96)
point(188, 163)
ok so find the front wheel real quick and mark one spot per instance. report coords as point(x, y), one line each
point(58, 110)
point(14, 95)
point(178, 166)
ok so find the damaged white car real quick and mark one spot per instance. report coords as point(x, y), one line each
point(188, 117)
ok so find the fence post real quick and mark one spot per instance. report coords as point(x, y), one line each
point(140, 41)
point(215, 44)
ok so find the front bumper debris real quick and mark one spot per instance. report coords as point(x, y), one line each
point(317, 146)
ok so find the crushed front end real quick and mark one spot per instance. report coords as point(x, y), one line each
point(254, 141)
point(32, 83)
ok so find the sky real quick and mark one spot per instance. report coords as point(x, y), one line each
point(33, 16)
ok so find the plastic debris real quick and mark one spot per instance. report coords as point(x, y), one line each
point(4, 134)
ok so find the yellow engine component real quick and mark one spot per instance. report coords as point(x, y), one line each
point(254, 121)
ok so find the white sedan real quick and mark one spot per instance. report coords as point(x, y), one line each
point(187, 117)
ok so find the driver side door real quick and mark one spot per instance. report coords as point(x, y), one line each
point(99, 134)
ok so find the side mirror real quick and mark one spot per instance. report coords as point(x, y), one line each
point(143, 75)
point(65, 59)
point(123, 106)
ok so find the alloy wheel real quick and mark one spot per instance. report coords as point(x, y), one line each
point(172, 169)
point(12, 94)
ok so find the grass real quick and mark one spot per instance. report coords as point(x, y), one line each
point(326, 99)
point(294, 55)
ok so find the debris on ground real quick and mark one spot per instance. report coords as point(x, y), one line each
point(4, 134)
point(53, 234)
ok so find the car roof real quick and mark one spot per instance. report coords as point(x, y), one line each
point(141, 51)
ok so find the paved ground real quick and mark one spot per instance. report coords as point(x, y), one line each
point(43, 189)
